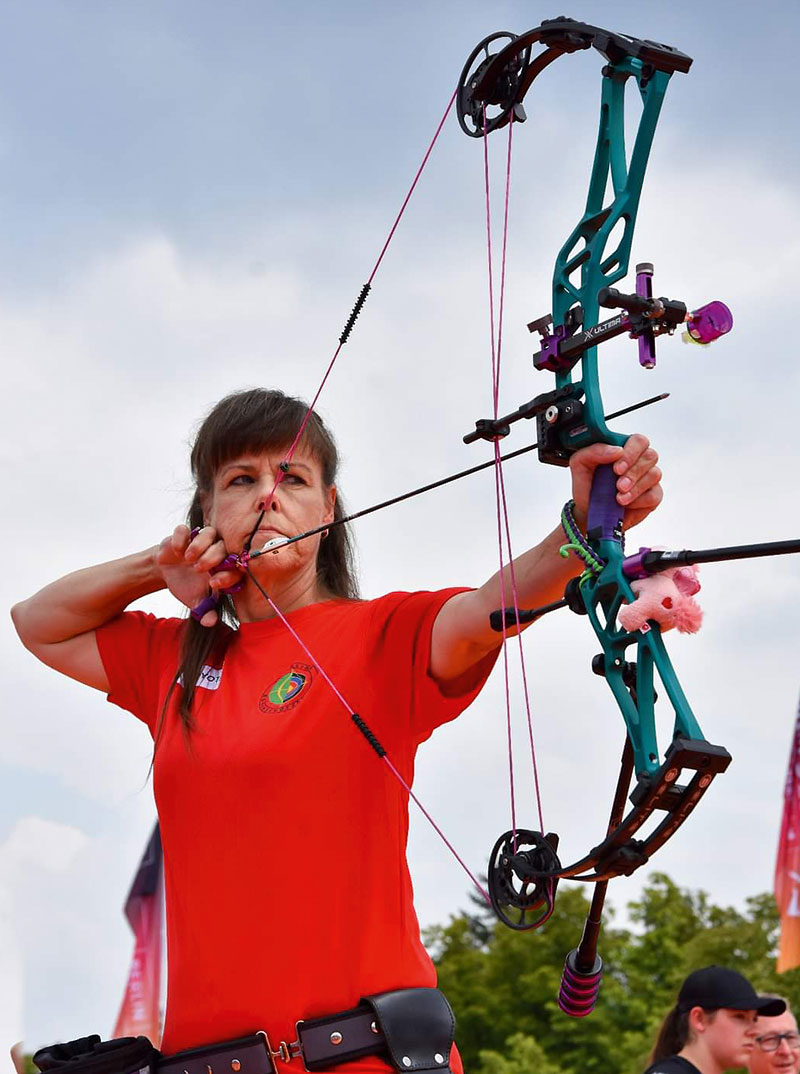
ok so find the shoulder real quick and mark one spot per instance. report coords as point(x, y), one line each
point(398, 610)
point(673, 1064)
point(417, 603)
point(142, 624)
point(143, 634)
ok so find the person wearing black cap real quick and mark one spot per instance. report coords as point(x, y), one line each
point(712, 1027)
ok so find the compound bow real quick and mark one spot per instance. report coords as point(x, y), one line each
point(524, 867)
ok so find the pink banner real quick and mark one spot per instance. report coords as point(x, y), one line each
point(787, 866)
point(140, 1013)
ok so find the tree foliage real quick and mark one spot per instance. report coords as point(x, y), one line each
point(503, 984)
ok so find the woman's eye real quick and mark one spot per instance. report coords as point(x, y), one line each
point(241, 479)
point(294, 479)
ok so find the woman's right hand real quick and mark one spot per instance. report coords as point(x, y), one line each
point(186, 564)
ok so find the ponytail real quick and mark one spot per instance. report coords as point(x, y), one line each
point(675, 1033)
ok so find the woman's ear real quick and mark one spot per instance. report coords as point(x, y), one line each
point(205, 501)
point(331, 504)
point(198, 513)
point(698, 1020)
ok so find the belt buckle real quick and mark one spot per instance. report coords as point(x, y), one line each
point(285, 1052)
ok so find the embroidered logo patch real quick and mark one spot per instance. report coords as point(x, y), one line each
point(289, 690)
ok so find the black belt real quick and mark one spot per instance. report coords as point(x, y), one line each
point(412, 1028)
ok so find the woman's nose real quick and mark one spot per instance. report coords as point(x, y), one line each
point(268, 493)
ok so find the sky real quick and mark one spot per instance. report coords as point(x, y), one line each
point(192, 195)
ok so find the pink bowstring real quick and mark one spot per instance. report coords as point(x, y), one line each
point(501, 311)
point(428, 152)
point(503, 524)
point(522, 666)
point(490, 262)
point(385, 758)
point(372, 275)
point(280, 475)
point(494, 341)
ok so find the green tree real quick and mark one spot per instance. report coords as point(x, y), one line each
point(523, 1056)
point(503, 984)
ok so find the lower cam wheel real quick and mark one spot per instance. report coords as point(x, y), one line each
point(523, 874)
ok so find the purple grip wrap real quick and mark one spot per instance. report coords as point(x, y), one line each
point(605, 514)
point(579, 988)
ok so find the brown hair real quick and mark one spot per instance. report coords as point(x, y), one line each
point(256, 420)
point(674, 1034)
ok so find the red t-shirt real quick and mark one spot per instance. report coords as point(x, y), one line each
point(287, 889)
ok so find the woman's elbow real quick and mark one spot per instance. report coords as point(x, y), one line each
point(22, 619)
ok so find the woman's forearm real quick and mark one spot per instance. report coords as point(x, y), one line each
point(462, 633)
point(85, 599)
point(540, 576)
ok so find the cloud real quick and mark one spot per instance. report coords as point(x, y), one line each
point(11, 972)
point(43, 844)
point(34, 851)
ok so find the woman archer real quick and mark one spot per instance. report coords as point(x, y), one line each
point(288, 892)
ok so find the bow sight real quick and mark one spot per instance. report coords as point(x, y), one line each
point(524, 866)
point(559, 426)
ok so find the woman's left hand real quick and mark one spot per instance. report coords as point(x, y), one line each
point(638, 478)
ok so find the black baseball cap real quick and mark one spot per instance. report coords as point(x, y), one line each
point(715, 986)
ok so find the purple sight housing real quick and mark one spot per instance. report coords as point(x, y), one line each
point(708, 323)
point(644, 288)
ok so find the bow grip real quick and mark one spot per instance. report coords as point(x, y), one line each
point(605, 514)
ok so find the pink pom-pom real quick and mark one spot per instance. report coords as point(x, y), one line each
point(686, 580)
point(688, 617)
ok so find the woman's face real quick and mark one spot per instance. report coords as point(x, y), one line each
point(729, 1036)
point(300, 502)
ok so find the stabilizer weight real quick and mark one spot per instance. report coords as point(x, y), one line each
point(579, 988)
